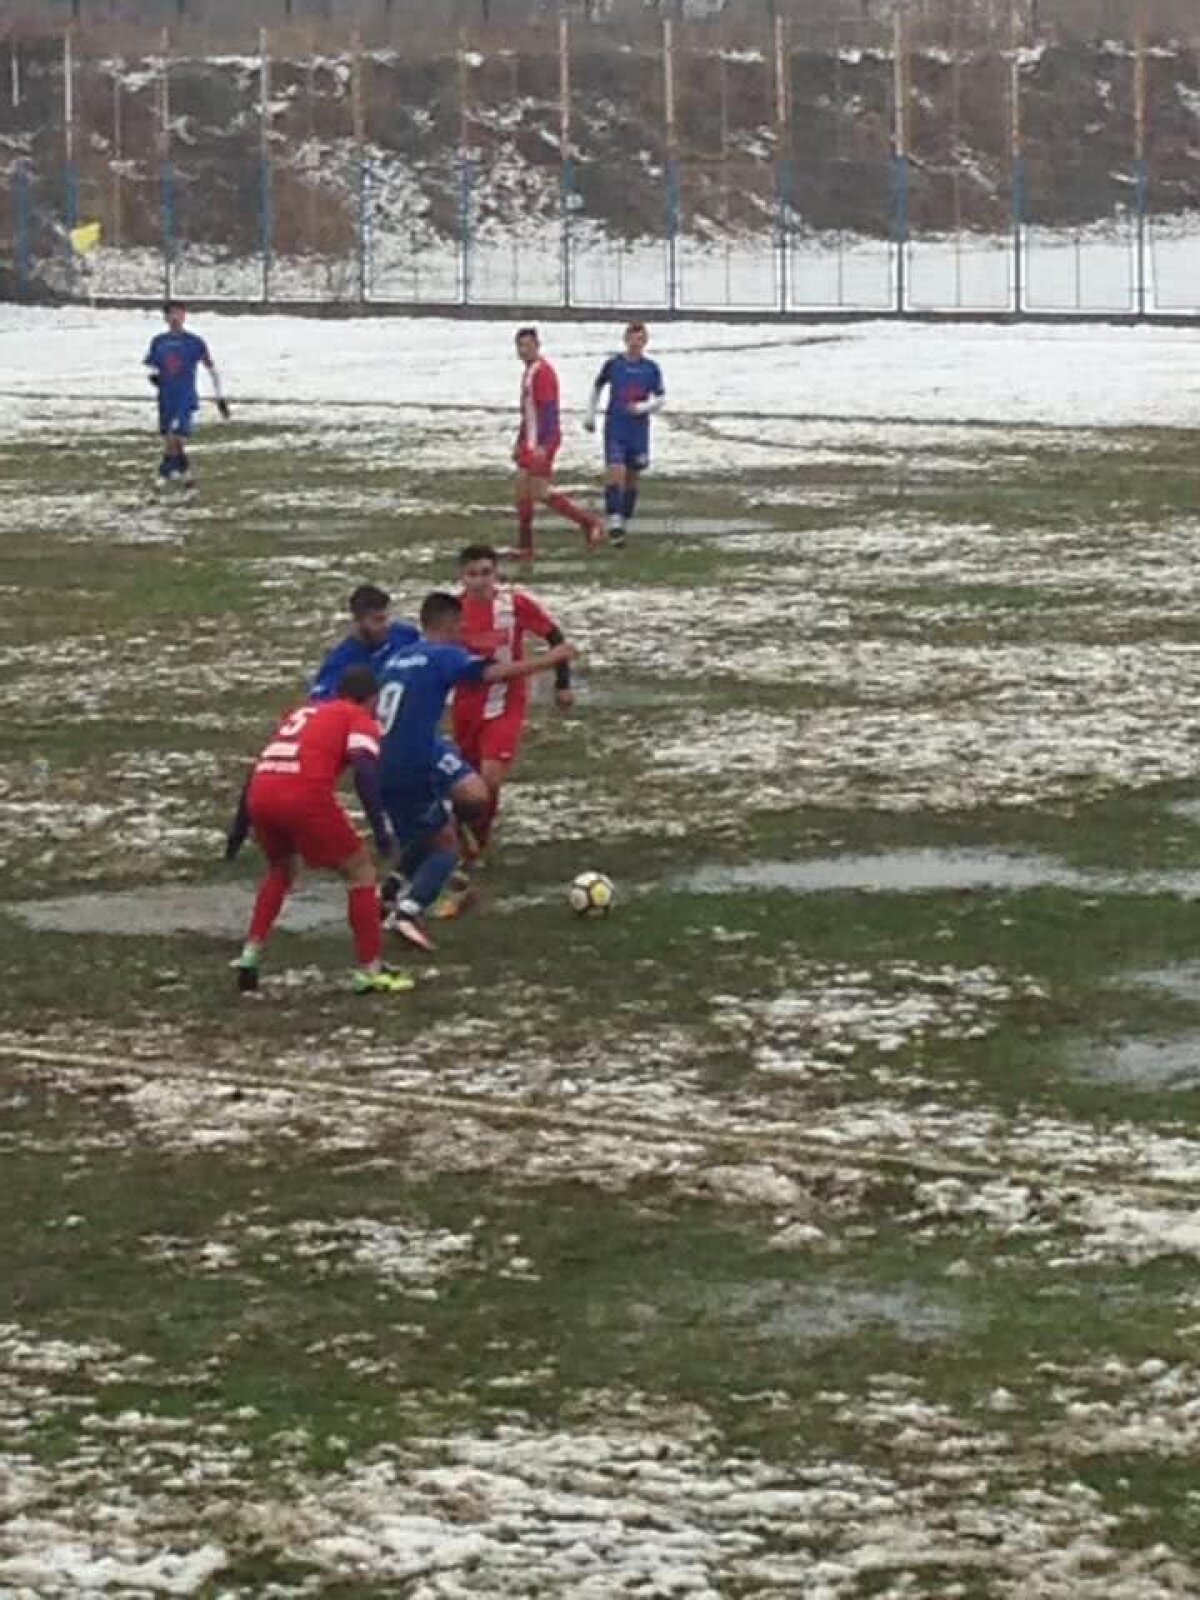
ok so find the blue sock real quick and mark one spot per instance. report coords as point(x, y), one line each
point(612, 498)
point(185, 466)
point(430, 878)
point(164, 467)
point(628, 502)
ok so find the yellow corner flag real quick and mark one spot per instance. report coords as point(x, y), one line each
point(84, 238)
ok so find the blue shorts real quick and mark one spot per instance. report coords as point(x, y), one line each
point(626, 447)
point(418, 809)
point(176, 414)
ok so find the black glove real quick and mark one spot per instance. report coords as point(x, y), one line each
point(239, 828)
point(223, 408)
point(154, 378)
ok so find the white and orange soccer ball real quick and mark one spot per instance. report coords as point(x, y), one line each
point(591, 895)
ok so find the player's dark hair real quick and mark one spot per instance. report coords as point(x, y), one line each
point(357, 684)
point(528, 333)
point(477, 552)
point(439, 607)
point(635, 327)
point(172, 305)
point(367, 598)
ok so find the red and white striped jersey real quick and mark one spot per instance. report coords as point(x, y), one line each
point(316, 742)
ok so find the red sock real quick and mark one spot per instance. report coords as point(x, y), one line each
point(363, 907)
point(272, 892)
point(566, 507)
point(482, 826)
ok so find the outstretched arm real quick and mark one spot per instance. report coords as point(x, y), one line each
point(505, 671)
point(603, 378)
point(218, 392)
point(366, 782)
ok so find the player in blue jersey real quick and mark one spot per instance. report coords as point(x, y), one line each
point(635, 394)
point(173, 358)
point(373, 634)
point(421, 772)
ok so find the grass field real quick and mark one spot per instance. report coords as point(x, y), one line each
point(822, 1224)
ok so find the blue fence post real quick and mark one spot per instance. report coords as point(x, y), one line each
point(900, 229)
point(672, 175)
point(465, 183)
point(21, 199)
point(71, 215)
point(364, 228)
point(168, 228)
point(783, 232)
point(267, 225)
point(1018, 227)
point(568, 205)
point(1142, 174)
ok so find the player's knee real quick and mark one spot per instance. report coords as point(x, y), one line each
point(359, 870)
point(471, 797)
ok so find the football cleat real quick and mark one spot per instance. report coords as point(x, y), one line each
point(408, 925)
point(386, 981)
point(247, 977)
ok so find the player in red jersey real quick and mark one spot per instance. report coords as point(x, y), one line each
point(538, 439)
point(489, 718)
point(291, 803)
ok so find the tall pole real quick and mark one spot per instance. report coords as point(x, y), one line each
point(900, 160)
point(783, 145)
point(464, 172)
point(567, 187)
point(70, 175)
point(114, 166)
point(1140, 167)
point(1017, 159)
point(266, 219)
point(358, 115)
point(166, 168)
point(672, 164)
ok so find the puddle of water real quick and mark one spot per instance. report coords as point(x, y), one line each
point(807, 1312)
point(1181, 981)
point(221, 910)
point(1143, 1063)
point(698, 527)
point(928, 871)
point(892, 872)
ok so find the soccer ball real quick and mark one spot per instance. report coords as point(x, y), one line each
point(591, 895)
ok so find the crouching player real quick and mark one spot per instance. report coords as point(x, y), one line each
point(422, 773)
point(291, 804)
point(489, 718)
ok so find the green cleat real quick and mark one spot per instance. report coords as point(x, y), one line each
point(385, 981)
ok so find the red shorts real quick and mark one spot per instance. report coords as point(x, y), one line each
point(537, 460)
point(483, 738)
point(290, 819)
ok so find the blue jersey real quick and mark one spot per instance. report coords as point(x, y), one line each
point(629, 382)
point(415, 683)
point(353, 652)
point(175, 357)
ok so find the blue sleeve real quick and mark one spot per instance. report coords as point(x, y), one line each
point(329, 673)
point(605, 375)
point(656, 383)
point(199, 350)
point(401, 635)
point(152, 354)
point(460, 666)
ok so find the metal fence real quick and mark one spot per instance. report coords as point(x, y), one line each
point(939, 158)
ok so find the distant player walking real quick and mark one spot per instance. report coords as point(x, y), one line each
point(173, 358)
point(635, 394)
point(538, 439)
point(291, 804)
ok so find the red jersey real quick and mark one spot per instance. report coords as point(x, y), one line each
point(540, 428)
point(314, 743)
point(496, 628)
